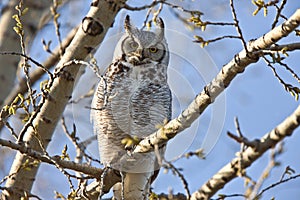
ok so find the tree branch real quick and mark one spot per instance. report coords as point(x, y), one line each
point(230, 171)
point(43, 121)
point(94, 172)
point(285, 47)
point(218, 84)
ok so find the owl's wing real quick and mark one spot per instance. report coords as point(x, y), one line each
point(104, 125)
point(150, 106)
point(97, 104)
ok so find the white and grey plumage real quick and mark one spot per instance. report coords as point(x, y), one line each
point(131, 99)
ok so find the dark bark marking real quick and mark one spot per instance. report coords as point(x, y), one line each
point(92, 27)
point(95, 3)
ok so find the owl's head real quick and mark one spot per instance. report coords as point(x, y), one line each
point(141, 47)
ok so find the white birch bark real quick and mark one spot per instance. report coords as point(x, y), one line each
point(9, 40)
point(234, 167)
point(218, 84)
point(43, 122)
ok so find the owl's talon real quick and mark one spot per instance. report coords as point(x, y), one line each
point(128, 147)
point(130, 142)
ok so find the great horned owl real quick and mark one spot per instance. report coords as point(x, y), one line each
point(131, 99)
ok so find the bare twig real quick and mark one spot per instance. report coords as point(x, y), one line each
point(154, 3)
point(206, 42)
point(80, 146)
point(238, 128)
point(56, 15)
point(200, 22)
point(24, 62)
point(229, 171)
point(35, 75)
point(294, 91)
point(11, 129)
point(86, 169)
point(30, 59)
point(198, 153)
point(276, 184)
point(243, 140)
point(266, 172)
point(284, 47)
point(157, 12)
point(288, 171)
point(223, 196)
point(146, 23)
point(238, 28)
point(93, 66)
point(289, 70)
point(216, 86)
point(169, 165)
point(278, 13)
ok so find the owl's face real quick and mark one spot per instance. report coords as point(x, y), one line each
point(142, 47)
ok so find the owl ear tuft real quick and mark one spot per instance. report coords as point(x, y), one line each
point(161, 28)
point(160, 23)
point(127, 24)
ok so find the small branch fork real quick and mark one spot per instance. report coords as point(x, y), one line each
point(244, 144)
point(241, 139)
point(80, 146)
point(266, 172)
point(56, 15)
point(252, 191)
point(164, 2)
point(278, 183)
point(236, 24)
point(195, 19)
point(278, 13)
point(293, 90)
point(161, 3)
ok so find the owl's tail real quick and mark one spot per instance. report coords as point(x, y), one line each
point(135, 186)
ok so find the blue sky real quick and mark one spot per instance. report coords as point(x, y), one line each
point(255, 97)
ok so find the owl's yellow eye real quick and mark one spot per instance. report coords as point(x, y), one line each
point(153, 49)
point(133, 44)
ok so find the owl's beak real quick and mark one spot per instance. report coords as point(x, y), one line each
point(136, 60)
point(139, 54)
point(137, 57)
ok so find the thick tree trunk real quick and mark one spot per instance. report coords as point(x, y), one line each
point(9, 40)
point(43, 122)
